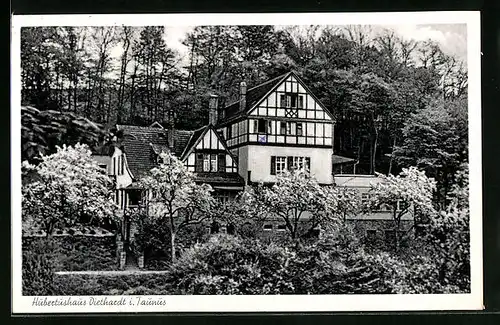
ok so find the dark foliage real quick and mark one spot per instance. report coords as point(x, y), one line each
point(42, 131)
point(77, 253)
point(38, 264)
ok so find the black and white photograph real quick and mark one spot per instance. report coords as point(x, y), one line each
point(251, 162)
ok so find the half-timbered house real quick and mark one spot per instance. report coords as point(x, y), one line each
point(278, 125)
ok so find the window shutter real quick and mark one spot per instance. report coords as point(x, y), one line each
point(199, 162)
point(289, 163)
point(222, 163)
point(273, 165)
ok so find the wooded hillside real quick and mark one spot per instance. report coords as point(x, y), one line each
point(397, 102)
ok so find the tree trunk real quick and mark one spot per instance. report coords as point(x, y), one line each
point(392, 156)
point(172, 246)
point(374, 153)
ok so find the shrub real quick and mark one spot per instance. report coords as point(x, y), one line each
point(230, 265)
point(37, 267)
point(420, 275)
point(78, 253)
point(153, 238)
point(104, 284)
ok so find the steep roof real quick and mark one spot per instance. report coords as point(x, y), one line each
point(192, 140)
point(142, 144)
point(139, 143)
point(254, 95)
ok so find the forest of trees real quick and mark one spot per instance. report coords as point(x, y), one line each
point(397, 102)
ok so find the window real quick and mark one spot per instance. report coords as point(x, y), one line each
point(222, 196)
point(114, 165)
point(261, 127)
point(281, 227)
point(290, 100)
point(365, 199)
point(134, 197)
point(289, 127)
point(209, 162)
point(280, 163)
point(282, 128)
point(229, 133)
point(268, 227)
point(213, 163)
point(122, 164)
point(300, 163)
point(206, 163)
point(299, 129)
point(301, 102)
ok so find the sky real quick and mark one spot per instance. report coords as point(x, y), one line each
point(451, 37)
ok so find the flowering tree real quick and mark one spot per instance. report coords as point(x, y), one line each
point(343, 201)
point(175, 197)
point(298, 200)
point(246, 213)
point(69, 187)
point(411, 189)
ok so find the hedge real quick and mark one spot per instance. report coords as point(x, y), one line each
point(79, 253)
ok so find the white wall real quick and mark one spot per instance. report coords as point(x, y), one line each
point(259, 161)
point(125, 179)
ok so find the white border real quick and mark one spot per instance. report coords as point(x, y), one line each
point(285, 303)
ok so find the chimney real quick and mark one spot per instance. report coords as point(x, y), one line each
point(212, 106)
point(243, 95)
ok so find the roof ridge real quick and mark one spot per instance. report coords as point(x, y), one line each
point(282, 76)
point(270, 80)
point(150, 128)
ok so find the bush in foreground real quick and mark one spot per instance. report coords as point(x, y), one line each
point(230, 265)
point(38, 269)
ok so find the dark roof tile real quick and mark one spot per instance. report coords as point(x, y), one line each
point(140, 144)
point(254, 95)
